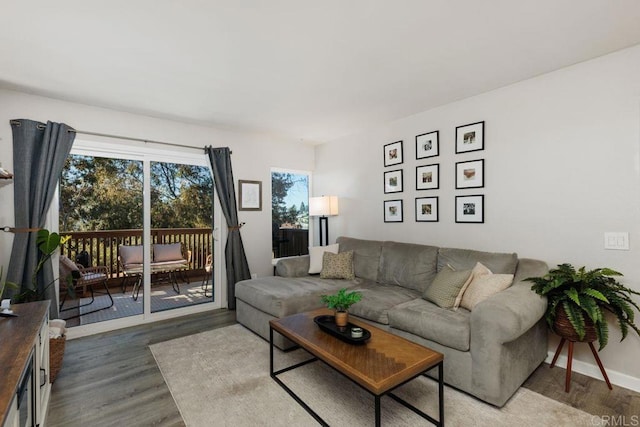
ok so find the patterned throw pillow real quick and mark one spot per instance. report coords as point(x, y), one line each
point(446, 286)
point(337, 266)
point(484, 286)
point(478, 270)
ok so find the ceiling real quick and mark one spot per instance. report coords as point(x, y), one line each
point(302, 70)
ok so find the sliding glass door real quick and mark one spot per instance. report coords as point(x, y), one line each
point(146, 216)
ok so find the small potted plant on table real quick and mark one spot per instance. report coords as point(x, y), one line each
point(340, 302)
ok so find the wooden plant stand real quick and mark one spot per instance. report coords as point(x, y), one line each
point(567, 381)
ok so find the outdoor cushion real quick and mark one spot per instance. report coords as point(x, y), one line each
point(427, 320)
point(466, 259)
point(283, 296)
point(167, 252)
point(130, 254)
point(378, 299)
point(337, 266)
point(315, 256)
point(366, 256)
point(408, 265)
point(68, 267)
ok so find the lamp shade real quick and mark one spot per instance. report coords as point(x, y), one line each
point(323, 206)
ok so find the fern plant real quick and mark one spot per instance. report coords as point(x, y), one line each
point(342, 300)
point(587, 295)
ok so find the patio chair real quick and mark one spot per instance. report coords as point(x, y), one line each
point(130, 259)
point(83, 279)
point(208, 274)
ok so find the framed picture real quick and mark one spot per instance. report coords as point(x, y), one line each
point(426, 209)
point(393, 211)
point(393, 181)
point(428, 145)
point(470, 137)
point(393, 153)
point(250, 195)
point(428, 177)
point(470, 174)
point(470, 208)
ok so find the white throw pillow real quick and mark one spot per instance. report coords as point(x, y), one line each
point(477, 271)
point(315, 256)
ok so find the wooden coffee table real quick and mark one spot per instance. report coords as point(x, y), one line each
point(384, 362)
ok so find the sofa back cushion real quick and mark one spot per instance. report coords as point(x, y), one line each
point(366, 256)
point(466, 259)
point(408, 265)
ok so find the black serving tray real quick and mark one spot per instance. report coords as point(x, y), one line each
point(328, 325)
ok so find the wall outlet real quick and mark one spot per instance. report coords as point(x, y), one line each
point(616, 241)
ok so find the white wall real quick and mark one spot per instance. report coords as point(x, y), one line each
point(253, 157)
point(561, 168)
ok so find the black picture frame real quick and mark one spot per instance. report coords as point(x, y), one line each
point(470, 209)
point(393, 181)
point(470, 137)
point(393, 211)
point(470, 174)
point(428, 145)
point(428, 177)
point(427, 209)
point(393, 154)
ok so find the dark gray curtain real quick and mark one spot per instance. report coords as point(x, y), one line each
point(235, 258)
point(39, 153)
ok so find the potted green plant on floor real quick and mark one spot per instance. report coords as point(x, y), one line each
point(340, 302)
point(577, 301)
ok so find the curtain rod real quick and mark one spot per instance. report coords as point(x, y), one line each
point(106, 135)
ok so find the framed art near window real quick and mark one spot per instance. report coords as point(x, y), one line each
point(470, 137)
point(393, 181)
point(470, 174)
point(470, 209)
point(428, 177)
point(428, 145)
point(426, 209)
point(250, 195)
point(393, 153)
point(393, 211)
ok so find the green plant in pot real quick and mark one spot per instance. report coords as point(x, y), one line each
point(340, 302)
point(578, 299)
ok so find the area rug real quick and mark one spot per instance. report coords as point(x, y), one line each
point(221, 377)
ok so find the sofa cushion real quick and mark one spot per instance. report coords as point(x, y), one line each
point(315, 256)
point(337, 266)
point(446, 286)
point(283, 296)
point(424, 319)
point(366, 255)
point(466, 259)
point(408, 265)
point(130, 254)
point(378, 299)
point(483, 286)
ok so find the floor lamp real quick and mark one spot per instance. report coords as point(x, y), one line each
point(323, 207)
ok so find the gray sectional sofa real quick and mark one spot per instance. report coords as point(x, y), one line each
point(489, 351)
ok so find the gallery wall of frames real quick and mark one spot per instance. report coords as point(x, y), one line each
point(469, 176)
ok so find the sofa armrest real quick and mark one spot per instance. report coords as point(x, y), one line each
point(508, 314)
point(293, 267)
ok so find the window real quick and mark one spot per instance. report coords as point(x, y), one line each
point(289, 213)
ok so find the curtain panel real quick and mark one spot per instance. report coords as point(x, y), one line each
point(39, 154)
point(235, 258)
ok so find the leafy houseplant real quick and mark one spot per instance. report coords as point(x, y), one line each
point(340, 302)
point(585, 296)
point(47, 243)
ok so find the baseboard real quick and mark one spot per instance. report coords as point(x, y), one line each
point(592, 370)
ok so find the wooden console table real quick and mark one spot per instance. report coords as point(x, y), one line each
point(24, 348)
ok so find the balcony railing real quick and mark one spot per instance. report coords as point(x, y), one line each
point(290, 242)
point(102, 246)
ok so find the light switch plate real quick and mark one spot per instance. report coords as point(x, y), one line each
point(616, 241)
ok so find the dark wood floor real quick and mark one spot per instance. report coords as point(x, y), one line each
point(112, 379)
